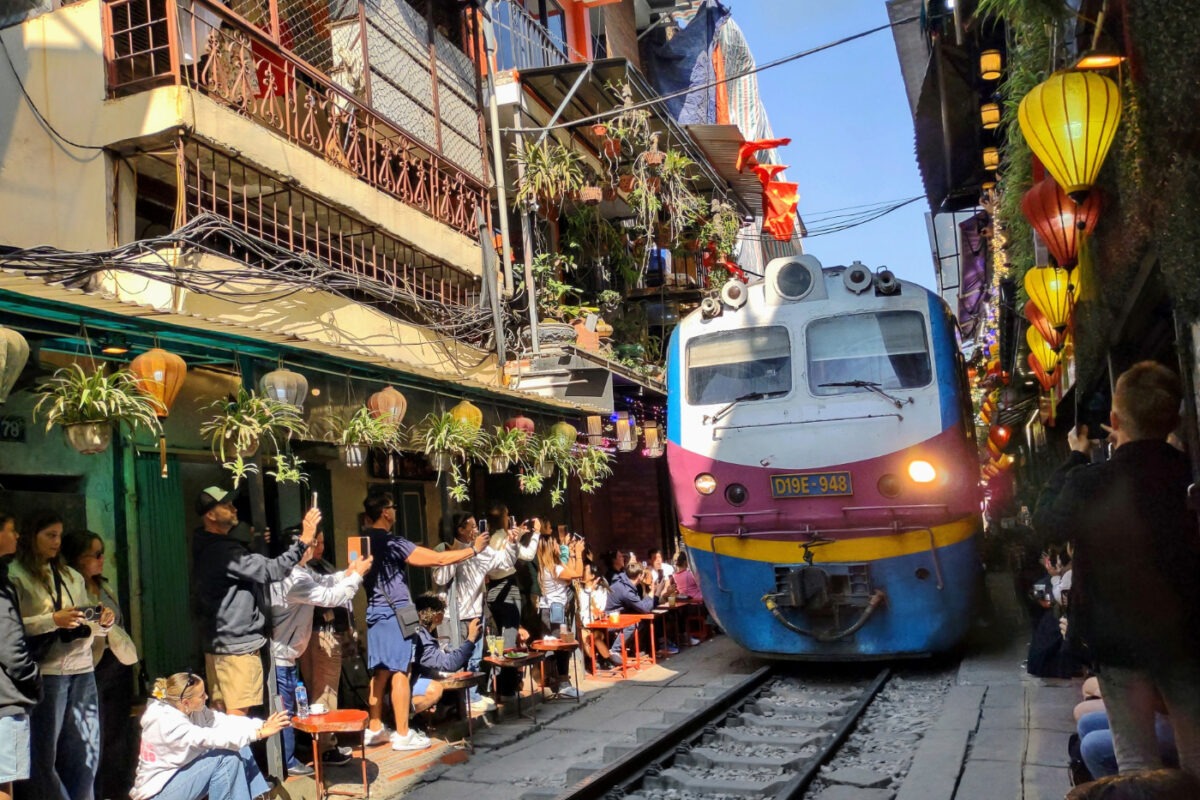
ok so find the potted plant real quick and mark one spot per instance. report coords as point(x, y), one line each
point(722, 227)
point(548, 172)
point(653, 156)
point(85, 405)
point(450, 444)
point(593, 465)
point(240, 424)
point(504, 447)
point(359, 432)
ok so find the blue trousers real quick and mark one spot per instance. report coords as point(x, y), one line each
point(286, 679)
point(220, 774)
point(475, 659)
point(1096, 743)
point(65, 739)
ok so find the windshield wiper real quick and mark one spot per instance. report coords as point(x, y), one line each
point(729, 407)
point(870, 386)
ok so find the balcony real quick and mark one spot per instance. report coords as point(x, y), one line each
point(361, 91)
point(522, 42)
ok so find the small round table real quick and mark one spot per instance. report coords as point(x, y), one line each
point(343, 720)
point(519, 664)
point(559, 646)
point(463, 682)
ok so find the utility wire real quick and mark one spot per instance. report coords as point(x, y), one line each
point(753, 70)
point(33, 106)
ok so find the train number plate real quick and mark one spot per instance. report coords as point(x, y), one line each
point(812, 484)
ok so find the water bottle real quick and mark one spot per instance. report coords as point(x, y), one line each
point(301, 701)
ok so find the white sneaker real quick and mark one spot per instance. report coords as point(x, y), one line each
point(482, 706)
point(569, 692)
point(413, 740)
point(372, 738)
point(693, 641)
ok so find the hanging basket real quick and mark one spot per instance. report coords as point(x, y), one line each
point(250, 449)
point(441, 460)
point(600, 129)
point(591, 195)
point(546, 469)
point(89, 438)
point(498, 464)
point(612, 148)
point(626, 182)
point(654, 158)
point(352, 455)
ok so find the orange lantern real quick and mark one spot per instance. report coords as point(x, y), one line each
point(160, 374)
point(388, 403)
point(520, 422)
point(1039, 348)
point(1048, 380)
point(1056, 339)
point(1059, 220)
point(1051, 290)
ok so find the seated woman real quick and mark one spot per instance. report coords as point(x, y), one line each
point(189, 751)
point(591, 596)
point(432, 662)
point(685, 579)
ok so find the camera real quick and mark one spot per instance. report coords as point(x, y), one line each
point(92, 613)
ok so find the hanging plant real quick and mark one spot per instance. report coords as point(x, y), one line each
point(450, 443)
point(239, 425)
point(685, 206)
point(359, 432)
point(653, 156)
point(552, 291)
point(86, 405)
point(548, 173)
point(593, 465)
point(503, 447)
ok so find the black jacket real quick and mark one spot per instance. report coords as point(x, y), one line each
point(432, 659)
point(20, 679)
point(1134, 590)
point(230, 584)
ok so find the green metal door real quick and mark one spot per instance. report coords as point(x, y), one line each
point(167, 622)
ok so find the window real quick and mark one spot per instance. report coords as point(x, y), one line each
point(888, 348)
point(721, 367)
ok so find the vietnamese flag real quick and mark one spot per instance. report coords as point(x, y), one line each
point(747, 149)
point(780, 199)
point(767, 172)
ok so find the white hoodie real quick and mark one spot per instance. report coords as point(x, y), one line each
point(292, 600)
point(171, 740)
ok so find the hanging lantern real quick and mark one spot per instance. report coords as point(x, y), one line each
point(991, 159)
point(1046, 379)
point(1037, 319)
point(1051, 290)
point(998, 438)
point(1040, 350)
point(654, 445)
point(160, 374)
point(989, 115)
point(1069, 121)
point(990, 62)
point(1005, 462)
point(564, 430)
point(595, 430)
point(285, 386)
point(519, 422)
point(388, 403)
point(1059, 220)
point(14, 353)
point(468, 413)
point(626, 432)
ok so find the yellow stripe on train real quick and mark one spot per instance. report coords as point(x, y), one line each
point(871, 548)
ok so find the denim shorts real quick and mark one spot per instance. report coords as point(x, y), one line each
point(14, 756)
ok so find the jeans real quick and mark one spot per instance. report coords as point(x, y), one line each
point(474, 660)
point(65, 744)
point(504, 600)
point(221, 774)
point(1130, 697)
point(1096, 743)
point(114, 685)
point(286, 679)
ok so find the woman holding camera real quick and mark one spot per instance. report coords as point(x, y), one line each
point(59, 623)
point(555, 579)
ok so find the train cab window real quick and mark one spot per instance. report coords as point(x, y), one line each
point(888, 349)
point(752, 363)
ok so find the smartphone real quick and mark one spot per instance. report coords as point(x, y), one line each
point(482, 525)
point(358, 547)
point(314, 500)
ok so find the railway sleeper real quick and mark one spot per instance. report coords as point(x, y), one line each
point(766, 738)
point(705, 757)
point(797, 723)
point(679, 780)
point(789, 706)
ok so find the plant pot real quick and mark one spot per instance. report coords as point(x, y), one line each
point(498, 464)
point(654, 158)
point(610, 193)
point(441, 460)
point(89, 438)
point(626, 182)
point(653, 184)
point(591, 195)
point(352, 455)
point(612, 148)
point(249, 450)
point(545, 469)
point(600, 129)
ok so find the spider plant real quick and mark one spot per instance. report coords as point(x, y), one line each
point(548, 172)
point(503, 447)
point(241, 423)
point(451, 443)
point(87, 404)
point(592, 466)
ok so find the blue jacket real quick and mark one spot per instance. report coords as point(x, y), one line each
point(432, 659)
point(623, 596)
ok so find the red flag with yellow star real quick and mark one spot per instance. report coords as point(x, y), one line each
point(748, 149)
point(780, 199)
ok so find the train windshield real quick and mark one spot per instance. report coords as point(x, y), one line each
point(887, 349)
point(749, 363)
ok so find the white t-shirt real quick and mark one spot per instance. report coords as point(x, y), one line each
point(554, 588)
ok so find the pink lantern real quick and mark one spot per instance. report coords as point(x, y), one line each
point(520, 422)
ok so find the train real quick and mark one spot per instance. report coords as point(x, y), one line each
point(823, 465)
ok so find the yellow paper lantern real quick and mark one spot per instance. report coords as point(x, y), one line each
point(990, 62)
point(989, 115)
point(1069, 121)
point(160, 375)
point(564, 430)
point(1040, 349)
point(1051, 290)
point(14, 353)
point(991, 159)
point(468, 413)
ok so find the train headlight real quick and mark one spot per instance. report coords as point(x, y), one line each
point(921, 471)
point(736, 494)
point(705, 484)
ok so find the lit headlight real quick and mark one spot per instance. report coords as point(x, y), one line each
point(921, 471)
point(705, 483)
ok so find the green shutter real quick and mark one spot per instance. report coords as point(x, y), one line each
point(167, 621)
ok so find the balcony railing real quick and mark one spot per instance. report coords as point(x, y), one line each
point(243, 63)
point(521, 41)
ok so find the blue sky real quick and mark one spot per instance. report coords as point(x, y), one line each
point(851, 130)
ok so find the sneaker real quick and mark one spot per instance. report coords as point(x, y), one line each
point(693, 641)
point(413, 740)
point(299, 769)
point(372, 738)
point(482, 706)
point(615, 659)
point(669, 648)
point(569, 692)
point(337, 755)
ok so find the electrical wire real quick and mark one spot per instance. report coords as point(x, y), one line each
point(727, 79)
point(33, 106)
point(846, 222)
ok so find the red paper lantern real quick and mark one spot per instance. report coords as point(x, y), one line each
point(1055, 338)
point(520, 422)
point(1059, 220)
point(1048, 380)
point(998, 438)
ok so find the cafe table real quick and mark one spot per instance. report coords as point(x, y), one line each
point(462, 683)
point(342, 720)
point(607, 624)
point(559, 646)
point(521, 664)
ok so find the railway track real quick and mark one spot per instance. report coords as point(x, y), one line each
point(766, 737)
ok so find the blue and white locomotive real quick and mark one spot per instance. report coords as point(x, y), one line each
point(823, 463)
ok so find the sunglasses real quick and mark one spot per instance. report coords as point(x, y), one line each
point(192, 680)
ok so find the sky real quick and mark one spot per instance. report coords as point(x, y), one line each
point(852, 133)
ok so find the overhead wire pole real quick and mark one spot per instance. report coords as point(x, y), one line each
point(527, 244)
point(489, 46)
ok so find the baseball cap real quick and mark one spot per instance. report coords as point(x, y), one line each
point(213, 496)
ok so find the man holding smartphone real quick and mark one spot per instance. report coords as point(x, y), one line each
point(389, 650)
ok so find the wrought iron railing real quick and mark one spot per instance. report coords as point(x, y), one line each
point(521, 41)
point(240, 63)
